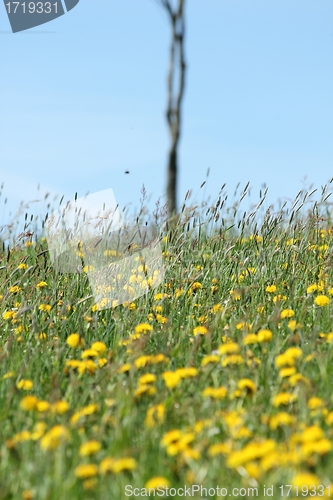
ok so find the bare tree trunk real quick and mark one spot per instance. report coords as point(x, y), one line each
point(176, 85)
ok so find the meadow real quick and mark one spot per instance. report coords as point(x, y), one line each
point(220, 379)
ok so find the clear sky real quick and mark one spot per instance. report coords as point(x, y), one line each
point(82, 99)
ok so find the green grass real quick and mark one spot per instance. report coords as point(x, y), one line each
point(221, 274)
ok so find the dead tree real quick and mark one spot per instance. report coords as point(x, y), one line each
point(175, 85)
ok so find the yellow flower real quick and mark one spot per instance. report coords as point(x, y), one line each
point(251, 451)
point(322, 300)
point(280, 419)
point(22, 436)
point(89, 448)
point(314, 403)
point(45, 307)
point(22, 266)
point(148, 378)
point(102, 362)
point(233, 359)
point(287, 372)
point(294, 352)
point(43, 406)
point(313, 288)
point(284, 398)
point(181, 444)
point(86, 470)
point(124, 368)
point(157, 482)
point(9, 315)
point(264, 335)
point(250, 338)
point(171, 379)
point(143, 328)
point(39, 431)
point(279, 297)
point(87, 366)
point(329, 418)
point(28, 403)
point(243, 326)
point(247, 384)
point(215, 392)
point(53, 437)
point(124, 464)
point(26, 385)
point(200, 330)
point(100, 347)
point(231, 348)
point(75, 340)
point(287, 313)
point(41, 284)
point(89, 353)
point(187, 372)
point(191, 454)
point(171, 437)
point(106, 465)
point(15, 289)
point(155, 416)
point(145, 389)
point(60, 407)
point(219, 448)
point(212, 358)
point(271, 288)
point(305, 479)
point(88, 269)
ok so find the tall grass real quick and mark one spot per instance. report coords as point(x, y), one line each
point(222, 377)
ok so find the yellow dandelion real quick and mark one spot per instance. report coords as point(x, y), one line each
point(28, 403)
point(264, 335)
point(60, 407)
point(322, 300)
point(54, 437)
point(148, 378)
point(41, 284)
point(287, 313)
point(157, 482)
point(26, 385)
point(89, 448)
point(86, 471)
point(215, 392)
point(9, 315)
point(200, 330)
point(45, 307)
point(75, 340)
point(124, 464)
point(171, 379)
point(230, 348)
point(143, 328)
point(284, 398)
point(305, 479)
point(247, 384)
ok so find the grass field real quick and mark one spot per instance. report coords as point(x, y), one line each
point(221, 378)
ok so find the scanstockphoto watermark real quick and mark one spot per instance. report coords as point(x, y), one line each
point(192, 491)
point(122, 261)
point(286, 490)
point(25, 15)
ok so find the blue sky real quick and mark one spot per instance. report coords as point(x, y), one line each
point(82, 99)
